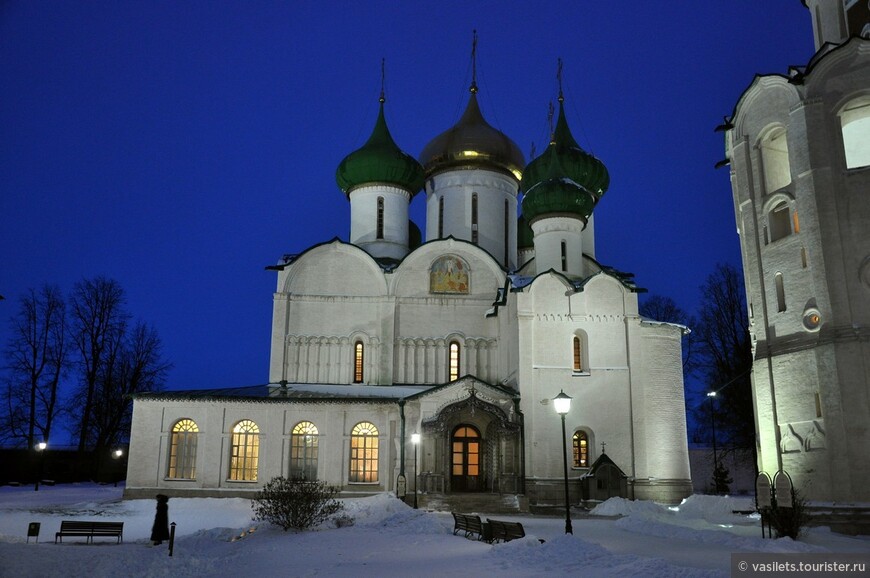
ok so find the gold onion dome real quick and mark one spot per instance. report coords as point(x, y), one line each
point(380, 160)
point(578, 165)
point(556, 194)
point(472, 142)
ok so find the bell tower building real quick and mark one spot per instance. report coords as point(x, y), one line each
point(798, 146)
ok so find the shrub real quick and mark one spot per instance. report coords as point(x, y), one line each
point(296, 503)
point(790, 521)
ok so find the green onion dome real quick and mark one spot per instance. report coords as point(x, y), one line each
point(580, 166)
point(557, 195)
point(525, 236)
point(472, 142)
point(380, 160)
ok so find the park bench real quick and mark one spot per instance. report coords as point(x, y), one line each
point(90, 530)
point(504, 531)
point(469, 524)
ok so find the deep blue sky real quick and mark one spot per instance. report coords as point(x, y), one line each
point(181, 147)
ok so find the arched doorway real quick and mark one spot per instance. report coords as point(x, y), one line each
point(465, 475)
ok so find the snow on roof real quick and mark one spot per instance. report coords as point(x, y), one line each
point(294, 391)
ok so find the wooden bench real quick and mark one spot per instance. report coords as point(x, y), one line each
point(504, 531)
point(469, 524)
point(90, 530)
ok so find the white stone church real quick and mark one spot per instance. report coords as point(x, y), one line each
point(464, 339)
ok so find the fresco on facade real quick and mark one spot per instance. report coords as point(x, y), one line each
point(449, 274)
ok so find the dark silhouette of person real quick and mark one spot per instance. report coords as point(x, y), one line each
point(160, 529)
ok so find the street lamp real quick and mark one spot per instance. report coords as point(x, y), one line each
point(712, 396)
point(415, 439)
point(562, 404)
point(116, 455)
point(40, 448)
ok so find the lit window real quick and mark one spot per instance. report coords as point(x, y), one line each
point(780, 221)
point(774, 160)
point(580, 444)
point(780, 292)
point(454, 361)
point(364, 453)
point(380, 232)
point(303, 451)
point(855, 123)
point(358, 362)
point(245, 451)
point(182, 450)
point(578, 354)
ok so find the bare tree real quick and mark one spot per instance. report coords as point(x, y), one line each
point(133, 364)
point(725, 357)
point(99, 320)
point(36, 354)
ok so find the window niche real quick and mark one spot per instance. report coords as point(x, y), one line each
point(855, 126)
point(774, 160)
point(579, 355)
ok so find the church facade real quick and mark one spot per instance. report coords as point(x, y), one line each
point(402, 363)
point(799, 150)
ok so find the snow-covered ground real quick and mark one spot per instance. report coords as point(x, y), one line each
point(217, 537)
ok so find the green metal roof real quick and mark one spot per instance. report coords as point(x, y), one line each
point(557, 194)
point(380, 160)
point(578, 165)
point(525, 235)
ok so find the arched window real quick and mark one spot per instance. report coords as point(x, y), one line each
point(182, 450)
point(774, 160)
point(453, 361)
point(779, 221)
point(245, 452)
point(440, 217)
point(358, 359)
point(303, 451)
point(855, 124)
point(578, 354)
point(564, 248)
point(364, 453)
point(780, 292)
point(380, 231)
point(580, 443)
point(474, 218)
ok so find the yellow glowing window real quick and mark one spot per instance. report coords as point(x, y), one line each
point(182, 450)
point(364, 453)
point(581, 449)
point(245, 451)
point(358, 351)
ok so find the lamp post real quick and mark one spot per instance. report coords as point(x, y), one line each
point(712, 396)
point(415, 439)
point(116, 455)
point(40, 448)
point(562, 404)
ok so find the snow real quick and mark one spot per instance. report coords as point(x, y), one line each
point(217, 537)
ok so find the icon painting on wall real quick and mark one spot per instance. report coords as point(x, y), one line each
point(449, 274)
